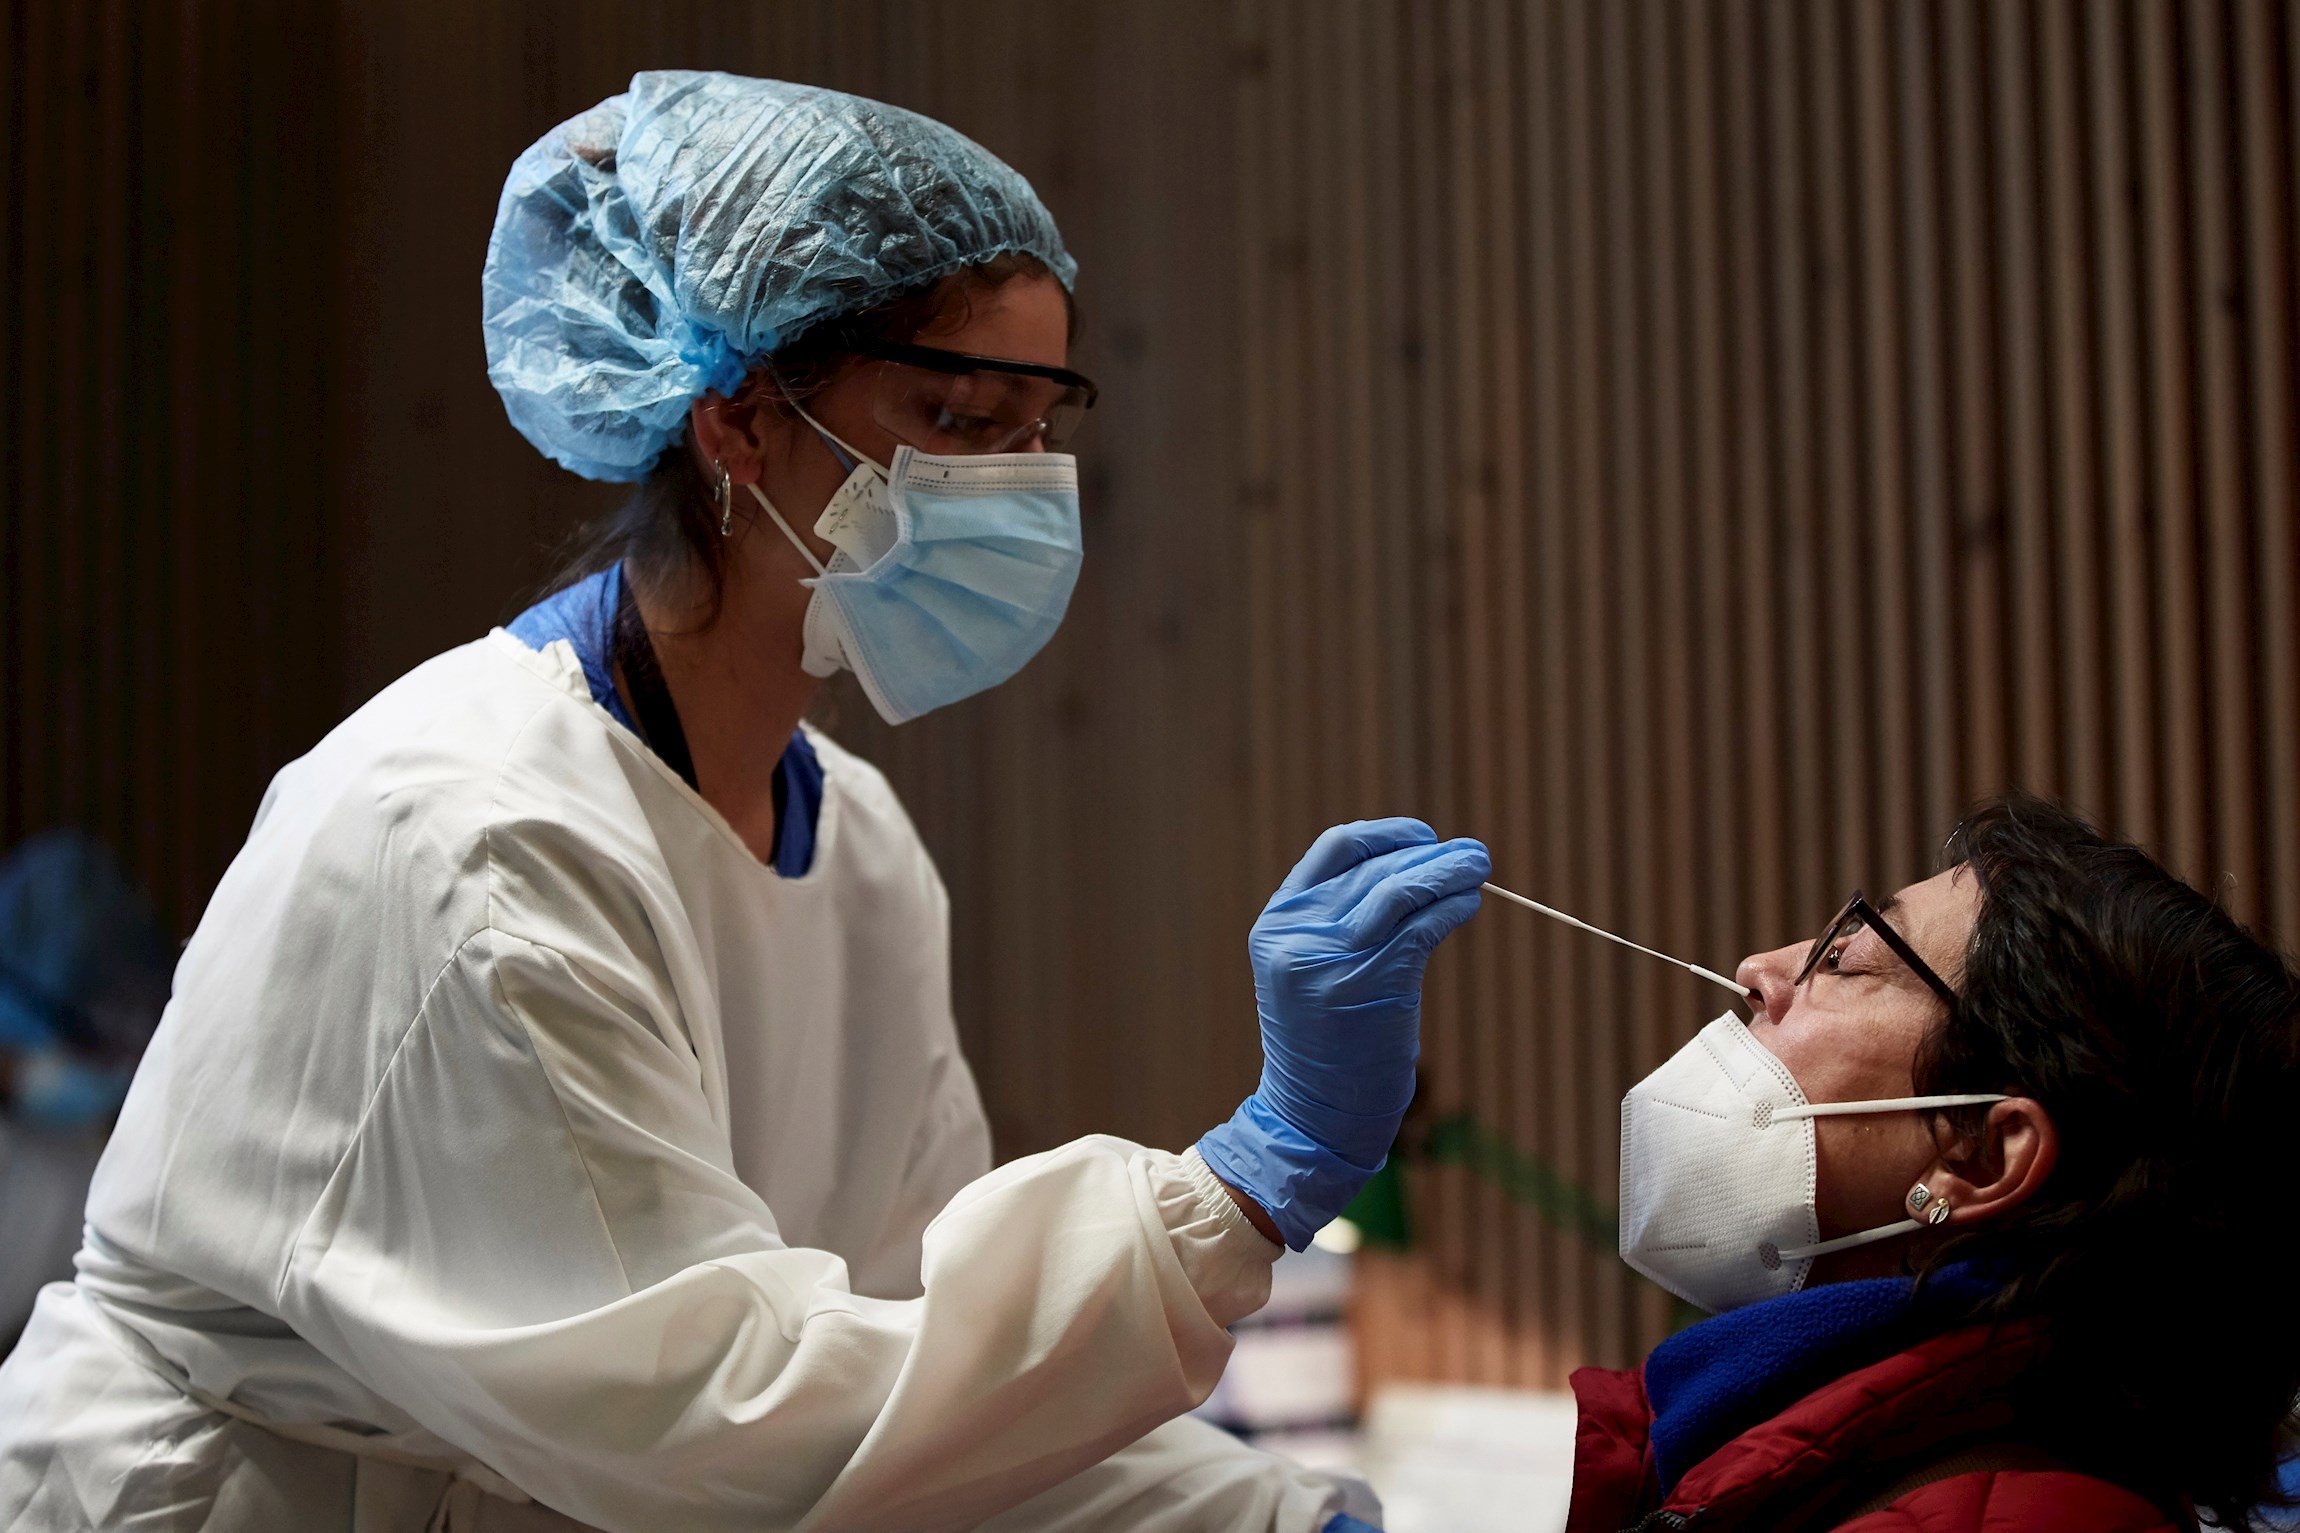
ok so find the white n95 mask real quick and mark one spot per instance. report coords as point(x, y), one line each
point(950, 573)
point(1719, 1171)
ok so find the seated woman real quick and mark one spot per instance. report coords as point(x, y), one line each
point(2033, 1272)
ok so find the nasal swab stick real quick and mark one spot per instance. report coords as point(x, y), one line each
point(1539, 908)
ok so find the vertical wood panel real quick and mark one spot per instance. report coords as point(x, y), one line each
point(1667, 602)
point(2075, 488)
point(164, 623)
point(2165, 214)
point(2124, 480)
point(2268, 210)
point(1435, 482)
point(1517, 1050)
point(1482, 411)
point(1555, 1090)
point(2013, 113)
point(1594, 785)
point(1925, 209)
point(2233, 661)
point(1978, 529)
point(1895, 650)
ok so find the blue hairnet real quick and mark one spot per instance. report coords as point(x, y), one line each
point(657, 246)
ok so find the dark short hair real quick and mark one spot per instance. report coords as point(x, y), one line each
point(669, 528)
point(2164, 1039)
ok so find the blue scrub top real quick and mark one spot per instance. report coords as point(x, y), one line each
point(584, 615)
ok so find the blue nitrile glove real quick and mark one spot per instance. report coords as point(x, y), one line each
point(1338, 957)
point(1344, 1523)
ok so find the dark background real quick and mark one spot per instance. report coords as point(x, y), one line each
point(1697, 447)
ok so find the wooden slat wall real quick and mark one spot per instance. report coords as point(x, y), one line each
point(1791, 419)
point(1694, 446)
point(165, 632)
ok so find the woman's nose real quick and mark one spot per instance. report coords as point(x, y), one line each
point(1772, 976)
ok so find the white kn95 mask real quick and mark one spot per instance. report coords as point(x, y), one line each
point(1719, 1171)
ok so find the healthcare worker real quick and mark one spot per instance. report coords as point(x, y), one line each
point(558, 1119)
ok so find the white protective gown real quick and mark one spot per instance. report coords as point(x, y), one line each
point(515, 1127)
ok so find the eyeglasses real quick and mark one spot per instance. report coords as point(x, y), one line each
point(956, 403)
point(1848, 923)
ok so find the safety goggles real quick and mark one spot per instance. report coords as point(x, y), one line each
point(1858, 914)
point(955, 403)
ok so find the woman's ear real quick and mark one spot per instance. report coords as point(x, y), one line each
point(730, 433)
point(1995, 1172)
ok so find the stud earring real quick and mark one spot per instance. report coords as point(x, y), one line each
point(1919, 1196)
point(723, 495)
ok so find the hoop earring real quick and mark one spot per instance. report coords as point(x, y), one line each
point(723, 496)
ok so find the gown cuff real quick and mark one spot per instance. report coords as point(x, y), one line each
point(1227, 1259)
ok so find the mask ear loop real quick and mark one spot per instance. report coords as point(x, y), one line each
point(1938, 1217)
point(848, 457)
point(1841, 1243)
point(1939, 1212)
point(797, 542)
point(1885, 1104)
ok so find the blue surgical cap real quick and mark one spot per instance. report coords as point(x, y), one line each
point(654, 248)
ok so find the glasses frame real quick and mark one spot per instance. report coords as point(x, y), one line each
point(936, 359)
point(1874, 919)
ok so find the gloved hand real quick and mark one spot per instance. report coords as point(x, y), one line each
point(1338, 956)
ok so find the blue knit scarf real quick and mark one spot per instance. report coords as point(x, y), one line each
point(1713, 1381)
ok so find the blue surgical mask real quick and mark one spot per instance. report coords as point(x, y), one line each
point(950, 572)
point(58, 1090)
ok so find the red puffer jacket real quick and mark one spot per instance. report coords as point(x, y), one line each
point(1815, 1466)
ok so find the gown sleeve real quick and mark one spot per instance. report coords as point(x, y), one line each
point(536, 1245)
point(1187, 1476)
point(950, 1148)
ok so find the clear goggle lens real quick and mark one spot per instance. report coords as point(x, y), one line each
point(983, 411)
